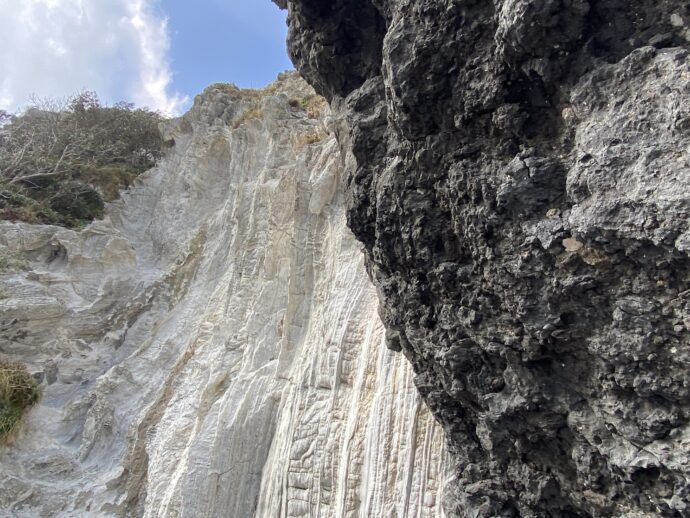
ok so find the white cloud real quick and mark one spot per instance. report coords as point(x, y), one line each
point(54, 48)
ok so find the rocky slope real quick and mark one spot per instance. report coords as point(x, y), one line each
point(519, 174)
point(212, 348)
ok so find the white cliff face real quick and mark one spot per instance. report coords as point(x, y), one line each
point(212, 348)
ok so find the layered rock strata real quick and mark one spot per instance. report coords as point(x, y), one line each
point(212, 348)
point(519, 175)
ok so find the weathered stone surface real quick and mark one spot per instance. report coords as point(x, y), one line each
point(212, 348)
point(519, 175)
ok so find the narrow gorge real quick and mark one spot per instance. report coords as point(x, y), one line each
point(440, 271)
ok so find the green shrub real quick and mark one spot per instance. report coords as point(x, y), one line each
point(77, 201)
point(19, 391)
point(68, 203)
point(60, 161)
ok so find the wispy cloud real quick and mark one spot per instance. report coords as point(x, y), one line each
point(119, 48)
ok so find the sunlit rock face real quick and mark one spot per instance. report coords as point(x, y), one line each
point(519, 177)
point(213, 348)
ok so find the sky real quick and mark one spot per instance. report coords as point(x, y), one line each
point(154, 53)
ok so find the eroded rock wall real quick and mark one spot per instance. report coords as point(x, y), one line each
point(212, 348)
point(519, 175)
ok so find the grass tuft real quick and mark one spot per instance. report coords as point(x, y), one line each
point(313, 105)
point(236, 92)
point(252, 113)
point(19, 391)
point(308, 139)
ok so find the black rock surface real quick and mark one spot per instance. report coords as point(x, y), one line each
point(519, 175)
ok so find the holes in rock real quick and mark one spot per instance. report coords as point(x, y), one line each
point(53, 254)
point(543, 365)
point(509, 510)
point(56, 254)
point(565, 513)
point(568, 319)
point(646, 476)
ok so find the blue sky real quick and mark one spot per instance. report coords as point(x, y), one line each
point(155, 53)
point(238, 41)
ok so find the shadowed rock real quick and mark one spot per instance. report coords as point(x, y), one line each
point(519, 175)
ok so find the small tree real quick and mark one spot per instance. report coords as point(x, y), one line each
point(77, 145)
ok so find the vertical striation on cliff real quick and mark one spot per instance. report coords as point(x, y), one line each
point(519, 175)
point(213, 348)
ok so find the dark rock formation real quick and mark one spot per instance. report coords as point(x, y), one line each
point(519, 175)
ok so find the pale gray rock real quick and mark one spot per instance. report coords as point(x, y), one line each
point(212, 348)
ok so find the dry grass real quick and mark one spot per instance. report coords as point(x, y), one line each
point(19, 391)
point(234, 91)
point(225, 87)
point(252, 113)
point(308, 139)
point(313, 105)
